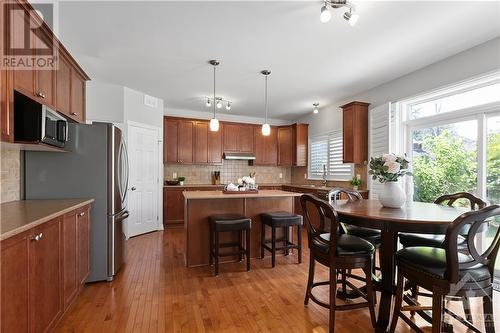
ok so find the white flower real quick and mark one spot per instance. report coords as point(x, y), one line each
point(240, 181)
point(389, 157)
point(393, 167)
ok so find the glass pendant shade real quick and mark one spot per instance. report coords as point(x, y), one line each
point(266, 129)
point(214, 124)
point(325, 14)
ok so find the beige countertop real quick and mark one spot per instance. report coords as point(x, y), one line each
point(304, 186)
point(212, 186)
point(196, 195)
point(19, 216)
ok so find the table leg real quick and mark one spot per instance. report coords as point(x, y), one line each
point(388, 268)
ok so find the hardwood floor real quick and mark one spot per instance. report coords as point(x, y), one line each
point(154, 292)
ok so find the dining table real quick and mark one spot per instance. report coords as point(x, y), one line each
point(412, 217)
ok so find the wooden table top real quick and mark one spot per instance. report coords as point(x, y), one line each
point(411, 212)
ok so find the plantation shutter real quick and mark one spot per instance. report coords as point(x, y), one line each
point(318, 156)
point(379, 139)
point(336, 168)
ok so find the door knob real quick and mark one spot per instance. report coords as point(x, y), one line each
point(133, 188)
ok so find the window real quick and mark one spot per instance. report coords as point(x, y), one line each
point(325, 154)
point(453, 140)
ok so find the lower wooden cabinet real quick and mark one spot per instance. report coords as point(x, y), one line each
point(43, 270)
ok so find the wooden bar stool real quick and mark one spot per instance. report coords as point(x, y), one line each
point(229, 223)
point(283, 220)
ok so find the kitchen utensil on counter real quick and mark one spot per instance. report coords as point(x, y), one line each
point(216, 178)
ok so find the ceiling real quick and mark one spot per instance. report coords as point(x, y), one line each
point(163, 48)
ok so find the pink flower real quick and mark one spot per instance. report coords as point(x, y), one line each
point(389, 158)
point(393, 167)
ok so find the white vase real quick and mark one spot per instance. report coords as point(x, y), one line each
point(392, 195)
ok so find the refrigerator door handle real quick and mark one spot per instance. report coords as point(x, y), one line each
point(127, 170)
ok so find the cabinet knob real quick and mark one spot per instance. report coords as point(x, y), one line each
point(81, 214)
point(38, 237)
point(74, 114)
point(40, 94)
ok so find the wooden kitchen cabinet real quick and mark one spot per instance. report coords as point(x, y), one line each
point(45, 79)
point(266, 147)
point(207, 144)
point(238, 138)
point(83, 241)
point(63, 86)
point(186, 141)
point(355, 132)
point(69, 258)
point(7, 116)
point(77, 100)
point(178, 140)
point(285, 142)
point(45, 269)
point(173, 203)
point(300, 144)
point(170, 140)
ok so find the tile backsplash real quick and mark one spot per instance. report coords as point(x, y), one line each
point(230, 171)
point(10, 179)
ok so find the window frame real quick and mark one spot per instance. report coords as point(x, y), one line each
point(330, 177)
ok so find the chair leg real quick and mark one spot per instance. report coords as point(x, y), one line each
point(247, 248)
point(262, 239)
point(467, 309)
point(489, 322)
point(273, 246)
point(310, 279)
point(333, 295)
point(240, 242)
point(437, 312)
point(299, 242)
point(370, 293)
point(285, 237)
point(216, 253)
point(210, 247)
point(344, 284)
point(397, 303)
point(414, 295)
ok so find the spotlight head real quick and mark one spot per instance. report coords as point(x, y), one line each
point(351, 17)
point(208, 103)
point(325, 15)
point(219, 104)
point(228, 106)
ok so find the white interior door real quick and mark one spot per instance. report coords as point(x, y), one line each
point(143, 184)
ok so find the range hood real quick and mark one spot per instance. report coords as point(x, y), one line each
point(239, 156)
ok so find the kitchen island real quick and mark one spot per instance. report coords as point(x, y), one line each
point(199, 205)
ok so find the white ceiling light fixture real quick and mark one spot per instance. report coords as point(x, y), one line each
point(350, 15)
point(228, 106)
point(214, 123)
point(315, 108)
point(266, 129)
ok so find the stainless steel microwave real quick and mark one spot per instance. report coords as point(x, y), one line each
point(35, 123)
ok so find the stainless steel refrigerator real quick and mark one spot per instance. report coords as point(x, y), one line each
point(96, 167)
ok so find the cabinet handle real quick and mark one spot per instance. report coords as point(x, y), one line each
point(40, 94)
point(81, 214)
point(37, 238)
point(74, 114)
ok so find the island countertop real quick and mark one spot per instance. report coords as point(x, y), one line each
point(198, 195)
point(19, 216)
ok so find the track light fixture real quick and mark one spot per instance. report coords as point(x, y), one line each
point(350, 15)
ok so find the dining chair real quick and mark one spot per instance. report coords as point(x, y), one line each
point(432, 240)
point(337, 252)
point(446, 271)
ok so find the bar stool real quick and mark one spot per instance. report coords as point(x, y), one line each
point(283, 220)
point(229, 223)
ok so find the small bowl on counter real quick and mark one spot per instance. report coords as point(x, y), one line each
point(171, 182)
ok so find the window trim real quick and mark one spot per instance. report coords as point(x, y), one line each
point(328, 177)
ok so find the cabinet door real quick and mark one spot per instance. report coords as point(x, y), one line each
point(45, 283)
point(300, 144)
point(14, 307)
point(7, 116)
point(285, 152)
point(77, 107)
point(215, 147)
point(24, 80)
point(170, 140)
point(83, 240)
point(266, 147)
point(201, 143)
point(174, 202)
point(63, 89)
point(348, 135)
point(44, 77)
point(69, 258)
point(185, 137)
point(231, 137)
point(246, 139)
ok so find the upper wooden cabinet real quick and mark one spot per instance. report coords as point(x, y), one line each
point(178, 139)
point(61, 86)
point(207, 144)
point(292, 145)
point(266, 147)
point(355, 132)
point(238, 138)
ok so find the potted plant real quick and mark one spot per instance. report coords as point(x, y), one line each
point(387, 169)
point(356, 182)
point(181, 180)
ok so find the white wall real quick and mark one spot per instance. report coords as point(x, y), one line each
point(137, 111)
point(478, 60)
point(104, 102)
point(222, 116)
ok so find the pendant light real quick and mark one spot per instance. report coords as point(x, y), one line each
point(266, 129)
point(214, 123)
